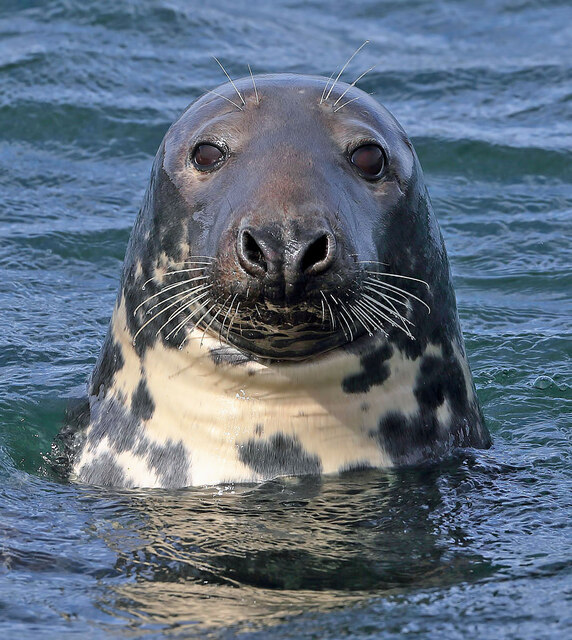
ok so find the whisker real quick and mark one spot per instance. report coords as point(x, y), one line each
point(181, 294)
point(209, 258)
point(344, 315)
point(387, 297)
point(167, 288)
point(326, 87)
point(230, 80)
point(254, 85)
point(405, 321)
point(190, 269)
point(359, 312)
point(179, 311)
point(375, 309)
point(156, 315)
point(188, 317)
point(205, 314)
point(353, 84)
point(348, 319)
point(375, 287)
point(232, 321)
point(395, 275)
point(354, 54)
point(395, 311)
point(407, 294)
point(346, 103)
point(221, 328)
point(225, 98)
point(379, 305)
point(376, 320)
point(393, 323)
point(212, 320)
point(168, 273)
point(187, 294)
point(208, 326)
point(330, 310)
point(181, 325)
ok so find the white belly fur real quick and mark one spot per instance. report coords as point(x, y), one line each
point(213, 408)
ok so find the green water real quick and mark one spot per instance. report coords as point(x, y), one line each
point(478, 546)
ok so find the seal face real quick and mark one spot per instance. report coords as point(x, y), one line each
point(286, 304)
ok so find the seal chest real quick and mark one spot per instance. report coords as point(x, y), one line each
point(286, 305)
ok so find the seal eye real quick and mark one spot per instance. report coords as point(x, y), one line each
point(206, 156)
point(369, 159)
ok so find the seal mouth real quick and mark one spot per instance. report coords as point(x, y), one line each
point(268, 331)
point(182, 298)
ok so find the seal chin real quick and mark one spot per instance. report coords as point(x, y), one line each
point(271, 336)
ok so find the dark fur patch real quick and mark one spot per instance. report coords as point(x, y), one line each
point(169, 461)
point(439, 379)
point(164, 226)
point(69, 439)
point(408, 440)
point(104, 471)
point(110, 419)
point(109, 362)
point(354, 466)
point(279, 455)
point(142, 405)
point(375, 371)
point(124, 431)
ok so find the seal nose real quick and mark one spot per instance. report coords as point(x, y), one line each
point(262, 254)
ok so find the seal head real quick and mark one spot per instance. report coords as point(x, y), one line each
point(286, 303)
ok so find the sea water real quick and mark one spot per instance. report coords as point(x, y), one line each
point(479, 545)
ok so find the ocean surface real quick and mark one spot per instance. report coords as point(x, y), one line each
point(478, 546)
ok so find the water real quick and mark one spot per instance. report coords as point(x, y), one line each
point(478, 546)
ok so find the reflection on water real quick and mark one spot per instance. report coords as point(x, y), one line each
point(253, 555)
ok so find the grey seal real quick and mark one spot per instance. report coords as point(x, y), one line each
point(286, 304)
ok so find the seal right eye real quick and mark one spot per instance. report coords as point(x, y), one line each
point(206, 156)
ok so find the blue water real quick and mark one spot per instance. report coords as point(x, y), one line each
point(478, 546)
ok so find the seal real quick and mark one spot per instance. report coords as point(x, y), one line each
point(286, 304)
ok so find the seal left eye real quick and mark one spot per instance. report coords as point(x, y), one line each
point(369, 159)
point(206, 156)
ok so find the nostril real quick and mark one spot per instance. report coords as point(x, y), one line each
point(252, 252)
point(316, 256)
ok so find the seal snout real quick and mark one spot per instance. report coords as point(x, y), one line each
point(286, 256)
